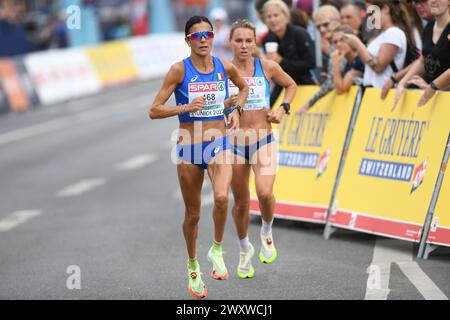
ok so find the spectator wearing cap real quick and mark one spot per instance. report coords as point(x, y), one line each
point(295, 52)
point(222, 48)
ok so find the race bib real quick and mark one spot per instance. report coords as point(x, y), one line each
point(214, 94)
point(257, 93)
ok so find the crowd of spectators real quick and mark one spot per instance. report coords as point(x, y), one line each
point(374, 43)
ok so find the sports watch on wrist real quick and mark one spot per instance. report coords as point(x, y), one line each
point(286, 106)
point(232, 108)
point(239, 109)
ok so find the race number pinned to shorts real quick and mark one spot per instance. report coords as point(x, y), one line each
point(214, 94)
point(257, 94)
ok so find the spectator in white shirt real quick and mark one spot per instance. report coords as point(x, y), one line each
point(389, 46)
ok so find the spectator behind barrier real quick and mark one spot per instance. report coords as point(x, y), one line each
point(346, 66)
point(423, 10)
point(12, 31)
point(295, 52)
point(326, 18)
point(422, 13)
point(351, 14)
point(388, 50)
point(435, 59)
point(416, 24)
point(222, 48)
point(298, 16)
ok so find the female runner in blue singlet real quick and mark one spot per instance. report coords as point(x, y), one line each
point(200, 87)
point(253, 142)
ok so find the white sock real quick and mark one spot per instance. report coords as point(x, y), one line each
point(266, 227)
point(244, 244)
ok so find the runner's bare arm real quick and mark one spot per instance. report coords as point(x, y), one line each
point(173, 78)
point(274, 72)
point(281, 78)
point(233, 74)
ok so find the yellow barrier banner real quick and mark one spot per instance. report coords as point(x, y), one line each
point(392, 165)
point(310, 148)
point(440, 226)
point(114, 63)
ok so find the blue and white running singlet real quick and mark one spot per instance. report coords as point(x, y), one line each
point(212, 86)
point(258, 99)
point(259, 89)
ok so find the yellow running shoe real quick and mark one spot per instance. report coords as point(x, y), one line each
point(196, 286)
point(219, 271)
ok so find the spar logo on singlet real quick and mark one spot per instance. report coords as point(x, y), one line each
point(251, 82)
point(207, 87)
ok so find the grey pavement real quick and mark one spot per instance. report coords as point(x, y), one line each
point(124, 230)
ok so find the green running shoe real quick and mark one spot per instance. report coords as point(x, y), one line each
point(245, 269)
point(219, 271)
point(268, 252)
point(196, 286)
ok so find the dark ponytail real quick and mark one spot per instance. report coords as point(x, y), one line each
point(401, 19)
point(194, 20)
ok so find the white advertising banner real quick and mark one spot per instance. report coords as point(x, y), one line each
point(155, 54)
point(60, 75)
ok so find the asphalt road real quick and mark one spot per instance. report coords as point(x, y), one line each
point(89, 183)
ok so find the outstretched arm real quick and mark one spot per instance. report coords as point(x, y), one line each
point(417, 68)
point(442, 82)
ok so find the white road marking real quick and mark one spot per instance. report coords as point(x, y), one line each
point(137, 162)
point(427, 288)
point(81, 187)
point(385, 252)
point(17, 218)
point(388, 251)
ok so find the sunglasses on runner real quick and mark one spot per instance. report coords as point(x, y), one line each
point(197, 36)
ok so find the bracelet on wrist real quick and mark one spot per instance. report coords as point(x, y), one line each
point(433, 86)
point(182, 108)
